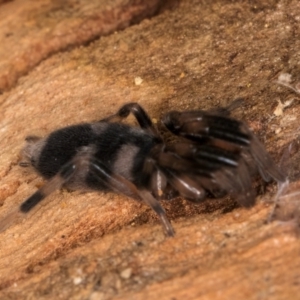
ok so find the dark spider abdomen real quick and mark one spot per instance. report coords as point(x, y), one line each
point(61, 146)
point(121, 148)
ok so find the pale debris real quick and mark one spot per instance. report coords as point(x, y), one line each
point(281, 106)
point(285, 79)
point(77, 280)
point(125, 274)
point(138, 80)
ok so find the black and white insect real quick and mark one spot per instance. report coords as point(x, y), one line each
point(215, 155)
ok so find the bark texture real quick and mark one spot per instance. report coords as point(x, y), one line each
point(190, 55)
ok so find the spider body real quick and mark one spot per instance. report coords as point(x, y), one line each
point(217, 155)
point(121, 147)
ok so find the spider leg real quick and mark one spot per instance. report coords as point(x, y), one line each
point(242, 189)
point(192, 172)
point(226, 111)
point(210, 154)
point(114, 181)
point(265, 163)
point(139, 113)
point(225, 133)
point(201, 126)
point(120, 184)
point(188, 186)
point(53, 184)
point(183, 175)
point(165, 170)
point(154, 176)
point(155, 205)
point(227, 169)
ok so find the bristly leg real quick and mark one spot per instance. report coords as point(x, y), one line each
point(155, 205)
point(265, 163)
point(120, 184)
point(198, 169)
point(226, 111)
point(138, 112)
point(53, 184)
point(225, 133)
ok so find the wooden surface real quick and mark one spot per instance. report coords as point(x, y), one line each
point(189, 55)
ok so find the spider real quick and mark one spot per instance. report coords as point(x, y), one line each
point(215, 155)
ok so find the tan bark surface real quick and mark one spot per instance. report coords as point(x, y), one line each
point(33, 30)
point(191, 55)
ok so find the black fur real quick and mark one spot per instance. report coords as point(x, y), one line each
point(61, 146)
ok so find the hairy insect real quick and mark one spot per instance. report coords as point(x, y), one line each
point(215, 155)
